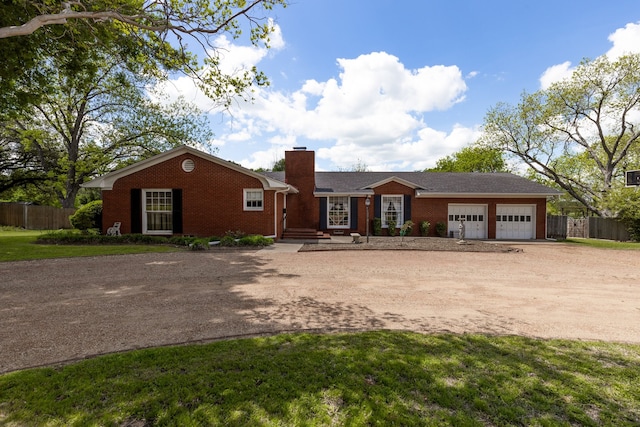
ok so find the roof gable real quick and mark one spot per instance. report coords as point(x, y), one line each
point(394, 178)
point(105, 182)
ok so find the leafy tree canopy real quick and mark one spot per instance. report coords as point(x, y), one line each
point(472, 159)
point(154, 35)
point(76, 76)
point(277, 166)
point(580, 133)
point(93, 114)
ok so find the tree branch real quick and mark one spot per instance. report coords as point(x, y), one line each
point(155, 24)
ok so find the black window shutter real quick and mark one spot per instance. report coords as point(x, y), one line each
point(177, 210)
point(354, 213)
point(407, 207)
point(323, 213)
point(136, 210)
point(377, 206)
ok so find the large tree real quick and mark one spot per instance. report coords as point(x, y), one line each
point(74, 96)
point(18, 166)
point(163, 33)
point(579, 132)
point(95, 115)
point(473, 158)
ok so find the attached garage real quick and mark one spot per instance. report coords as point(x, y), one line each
point(475, 220)
point(515, 222)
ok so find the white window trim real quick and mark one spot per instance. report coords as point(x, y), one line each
point(348, 210)
point(144, 211)
point(400, 221)
point(245, 192)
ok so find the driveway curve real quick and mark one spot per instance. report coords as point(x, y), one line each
point(62, 310)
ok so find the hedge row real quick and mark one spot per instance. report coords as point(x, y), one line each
point(70, 238)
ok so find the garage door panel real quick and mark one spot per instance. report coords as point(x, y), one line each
point(474, 217)
point(515, 222)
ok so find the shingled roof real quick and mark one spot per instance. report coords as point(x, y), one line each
point(428, 184)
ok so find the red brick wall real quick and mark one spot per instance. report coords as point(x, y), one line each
point(436, 210)
point(302, 208)
point(212, 198)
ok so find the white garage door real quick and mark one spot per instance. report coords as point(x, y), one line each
point(515, 222)
point(474, 220)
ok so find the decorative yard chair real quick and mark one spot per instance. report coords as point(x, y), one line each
point(115, 230)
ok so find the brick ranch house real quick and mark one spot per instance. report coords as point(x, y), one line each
point(188, 192)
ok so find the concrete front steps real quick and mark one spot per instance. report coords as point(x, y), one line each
point(304, 234)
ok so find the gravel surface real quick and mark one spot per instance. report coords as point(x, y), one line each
point(58, 311)
point(407, 244)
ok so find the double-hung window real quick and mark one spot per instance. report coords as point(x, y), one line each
point(253, 199)
point(158, 212)
point(338, 212)
point(392, 210)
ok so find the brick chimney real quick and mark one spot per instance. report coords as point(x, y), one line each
point(302, 208)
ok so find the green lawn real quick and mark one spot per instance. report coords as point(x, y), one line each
point(603, 244)
point(18, 245)
point(371, 378)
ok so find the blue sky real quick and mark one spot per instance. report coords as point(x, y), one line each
point(397, 85)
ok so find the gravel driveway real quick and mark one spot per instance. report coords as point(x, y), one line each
point(56, 311)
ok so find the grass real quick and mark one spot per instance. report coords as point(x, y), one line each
point(371, 378)
point(18, 245)
point(603, 244)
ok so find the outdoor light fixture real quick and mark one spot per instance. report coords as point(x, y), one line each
point(367, 203)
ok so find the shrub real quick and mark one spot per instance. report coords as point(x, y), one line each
point(441, 229)
point(377, 226)
point(180, 240)
point(424, 228)
point(193, 243)
point(255, 240)
point(71, 238)
point(406, 228)
point(238, 234)
point(391, 227)
point(88, 216)
point(228, 241)
point(633, 227)
point(199, 244)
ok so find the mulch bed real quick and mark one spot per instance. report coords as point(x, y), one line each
point(411, 244)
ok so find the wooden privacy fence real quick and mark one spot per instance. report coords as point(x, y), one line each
point(556, 227)
point(608, 228)
point(591, 227)
point(33, 217)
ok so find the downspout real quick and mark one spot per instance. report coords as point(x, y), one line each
point(275, 209)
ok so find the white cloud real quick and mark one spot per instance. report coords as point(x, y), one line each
point(418, 153)
point(234, 59)
point(625, 40)
point(264, 158)
point(556, 73)
point(372, 112)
